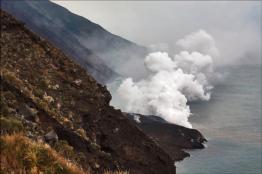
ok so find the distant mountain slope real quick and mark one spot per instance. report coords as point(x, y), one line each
point(50, 99)
point(34, 15)
point(78, 37)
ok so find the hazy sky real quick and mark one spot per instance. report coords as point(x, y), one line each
point(235, 26)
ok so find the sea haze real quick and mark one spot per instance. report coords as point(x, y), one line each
point(231, 121)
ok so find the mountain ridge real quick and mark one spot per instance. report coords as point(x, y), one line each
point(97, 50)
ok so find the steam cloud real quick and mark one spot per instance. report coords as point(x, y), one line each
point(172, 82)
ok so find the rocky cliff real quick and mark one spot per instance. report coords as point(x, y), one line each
point(172, 138)
point(48, 98)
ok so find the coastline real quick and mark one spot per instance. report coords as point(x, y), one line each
point(175, 140)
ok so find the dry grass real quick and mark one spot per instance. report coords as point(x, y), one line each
point(28, 91)
point(21, 155)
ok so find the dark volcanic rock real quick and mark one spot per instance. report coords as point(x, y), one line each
point(94, 48)
point(69, 101)
point(172, 138)
point(34, 15)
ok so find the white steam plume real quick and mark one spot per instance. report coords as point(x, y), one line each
point(199, 41)
point(172, 82)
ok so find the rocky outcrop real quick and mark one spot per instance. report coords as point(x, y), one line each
point(46, 91)
point(172, 138)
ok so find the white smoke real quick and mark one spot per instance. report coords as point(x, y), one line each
point(172, 82)
point(199, 41)
point(158, 47)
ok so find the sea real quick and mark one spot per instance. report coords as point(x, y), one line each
point(231, 121)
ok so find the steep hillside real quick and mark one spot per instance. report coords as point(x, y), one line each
point(50, 99)
point(34, 158)
point(90, 44)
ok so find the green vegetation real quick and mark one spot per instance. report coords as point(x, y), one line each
point(6, 96)
point(63, 147)
point(3, 107)
point(10, 125)
point(38, 92)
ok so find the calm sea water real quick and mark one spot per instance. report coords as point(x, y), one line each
point(231, 121)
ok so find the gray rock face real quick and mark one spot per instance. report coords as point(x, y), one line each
point(51, 137)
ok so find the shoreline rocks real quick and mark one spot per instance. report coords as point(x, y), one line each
point(170, 137)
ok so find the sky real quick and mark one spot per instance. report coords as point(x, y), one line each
point(234, 25)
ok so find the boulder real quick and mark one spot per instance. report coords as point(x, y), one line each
point(51, 137)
